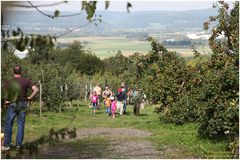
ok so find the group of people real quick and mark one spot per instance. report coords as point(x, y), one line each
point(112, 102)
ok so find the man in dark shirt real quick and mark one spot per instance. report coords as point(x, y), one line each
point(121, 96)
point(17, 107)
point(125, 101)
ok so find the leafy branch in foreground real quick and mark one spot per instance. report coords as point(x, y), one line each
point(17, 39)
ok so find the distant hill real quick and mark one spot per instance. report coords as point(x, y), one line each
point(145, 21)
point(167, 18)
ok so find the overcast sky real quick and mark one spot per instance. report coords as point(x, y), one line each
point(170, 5)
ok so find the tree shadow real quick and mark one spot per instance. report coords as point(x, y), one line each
point(30, 149)
point(91, 147)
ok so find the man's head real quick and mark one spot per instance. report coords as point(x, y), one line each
point(17, 70)
point(122, 84)
point(107, 88)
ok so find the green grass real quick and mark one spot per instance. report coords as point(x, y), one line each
point(184, 137)
point(105, 47)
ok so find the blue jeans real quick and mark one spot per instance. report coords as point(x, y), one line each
point(94, 104)
point(125, 106)
point(108, 110)
point(15, 109)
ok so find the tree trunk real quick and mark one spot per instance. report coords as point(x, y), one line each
point(40, 99)
point(85, 94)
point(60, 108)
point(136, 109)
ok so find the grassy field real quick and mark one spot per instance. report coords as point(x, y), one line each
point(182, 141)
point(105, 47)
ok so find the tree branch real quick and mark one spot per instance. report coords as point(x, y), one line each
point(70, 15)
point(51, 16)
point(71, 30)
point(180, 89)
point(42, 5)
point(55, 35)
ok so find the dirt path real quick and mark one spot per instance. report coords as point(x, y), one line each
point(98, 143)
point(104, 142)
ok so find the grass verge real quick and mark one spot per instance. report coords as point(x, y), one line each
point(174, 141)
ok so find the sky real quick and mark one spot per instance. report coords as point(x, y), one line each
point(142, 5)
point(170, 5)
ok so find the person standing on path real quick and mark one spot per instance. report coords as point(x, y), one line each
point(129, 96)
point(17, 107)
point(106, 94)
point(95, 101)
point(98, 91)
point(120, 100)
point(124, 91)
point(108, 105)
point(113, 106)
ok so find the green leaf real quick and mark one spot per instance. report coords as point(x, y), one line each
point(55, 38)
point(8, 34)
point(84, 4)
point(90, 10)
point(129, 5)
point(14, 33)
point(3, 33)
point(13, 91)
point(56, 13)
point(107, 4)
point(26, 41)
point(20, 31)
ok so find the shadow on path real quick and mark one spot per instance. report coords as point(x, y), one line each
point(31, 149)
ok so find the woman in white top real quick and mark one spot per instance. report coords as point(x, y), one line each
point(107, 92)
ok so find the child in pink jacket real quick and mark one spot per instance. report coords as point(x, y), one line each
point(95, 101)
point(113, 106)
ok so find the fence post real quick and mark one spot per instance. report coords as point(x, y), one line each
point(60, 108)
point(86, 92)
point(40, 99)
